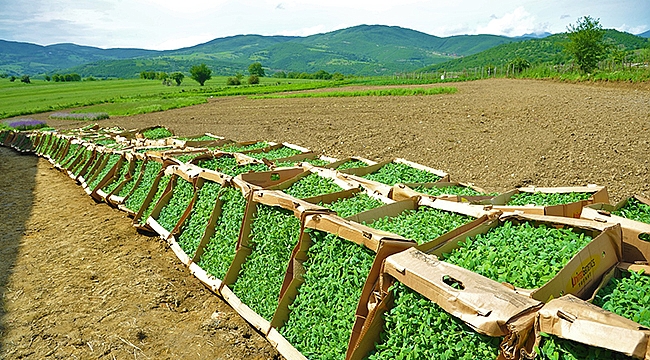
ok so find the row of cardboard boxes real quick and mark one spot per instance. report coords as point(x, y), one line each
point(517, 316)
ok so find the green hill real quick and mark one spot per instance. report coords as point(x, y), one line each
point(536, 51)
point(359, 50)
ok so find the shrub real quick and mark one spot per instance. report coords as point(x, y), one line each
point(233, 81)
point(253, 79)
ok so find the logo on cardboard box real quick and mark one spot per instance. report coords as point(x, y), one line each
point(584, 273)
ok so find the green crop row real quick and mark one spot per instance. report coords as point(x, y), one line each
point(72, 153)
point(198, 138)
point(523, 255)
point(112, 160)
point(135, 200)
point(279, 153)
point(194, 226)
point(150, 149)
point(393, 173)
point(162, 184)
point(352, 164)
point(274, 233)
point(635, 210)
point(323, 313)
point(422, 225)
point(315, 162)
point(118, 178)
point(554, 348)
point(448, 190)
point(353, 205)
point(186, 157)
point(416, 328)
point(220, 250)
point(171, 213)
point(156, 133)
point(228, 165)
point(128, 186)
point(312, 185)
point(546, 199)
point(85, 157)
point(233, 147)
point(628, 296)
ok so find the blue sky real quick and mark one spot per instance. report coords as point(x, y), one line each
point(172, 24)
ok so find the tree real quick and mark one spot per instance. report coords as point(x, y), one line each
point(253, 79)
point(12, 78)
point(233, 81)
point(586, 43)
point(178, 77)
point(518, 64)
point(256, 69)
point(201, 73)
point(25, 79)
point(47, 78)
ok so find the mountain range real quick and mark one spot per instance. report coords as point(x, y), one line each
point(359, 50)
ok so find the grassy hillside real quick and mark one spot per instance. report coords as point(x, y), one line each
point(359, 50)
point(536, 51)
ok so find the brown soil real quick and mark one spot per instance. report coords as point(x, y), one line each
point(496, 133)
point(78, 281)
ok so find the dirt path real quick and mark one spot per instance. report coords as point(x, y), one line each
point(496, 133)
point(77, 281)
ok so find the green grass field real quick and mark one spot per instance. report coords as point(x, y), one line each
point(129, 97)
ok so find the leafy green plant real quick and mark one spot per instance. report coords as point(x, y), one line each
point(554, 348)
point(351, 164)
point(353, 205)
point(448, 190)
point(422, 225)
point(627, 296)
point(233, 147)
point(228, 165)
point(523, 255)
point(186, 157)
point(547, 199)
point(279, 153)
point(315, 162)
point(85, 156)
point(128, 186)
point(150, 149)
point(156, 133)
point(417, 328)
point(634, 210)
point(135, 200)
point(194, 226)
point(110, 163)
point(162, 184)
point(220, 250)
point(119, 177)
point(274, 233)
point(312, 185)
point(393, 173)
point(322, 314)
point(171, 213)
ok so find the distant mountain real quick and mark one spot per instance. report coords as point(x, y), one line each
point(645, 34)
point(544, 50)
point(359, 50)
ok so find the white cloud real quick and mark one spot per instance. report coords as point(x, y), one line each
point(516, 23)
point(632, 29)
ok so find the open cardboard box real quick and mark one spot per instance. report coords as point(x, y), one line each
point(479, 212)
point(191, 141)
point(485, 305)
point(571, 210)
point(120, 201)
point(388, 244)
point(405, 191)
point(357, 174)
point(109, 177)
point(634, 249)
point(578, 276)
point(301, 209)
point(138, 221)
point(569, 317)
point(133, 173)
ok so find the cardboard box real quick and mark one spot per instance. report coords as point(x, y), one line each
point(569, 317)
point(148, 158)
point(485, 305)
point(301, 209)
point(634, 249)
point(177, 175)
point(192, 141)
point(108, 177)
point(138, 221)
point(114, 199)
point(568, 210)
point(209, 280)
point(405, 191)
point(579, 276)
point(389, 244)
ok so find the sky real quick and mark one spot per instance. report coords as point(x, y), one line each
point(173, 24)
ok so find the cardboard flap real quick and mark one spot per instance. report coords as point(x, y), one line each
point(357, 233)
point(266, 179)
point(475, 211)
point(581, 223)
point(571, 318)
point(278, 198)
point(484, 304)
